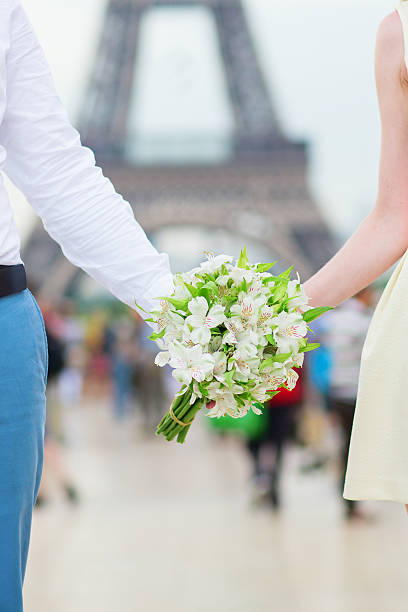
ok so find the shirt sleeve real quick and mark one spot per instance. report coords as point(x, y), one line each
point(78, 205)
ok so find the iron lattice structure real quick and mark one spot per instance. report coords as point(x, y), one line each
point(261, 191)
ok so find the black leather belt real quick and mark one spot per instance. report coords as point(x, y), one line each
point(12, 280)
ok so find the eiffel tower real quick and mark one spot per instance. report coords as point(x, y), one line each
point(259, 191)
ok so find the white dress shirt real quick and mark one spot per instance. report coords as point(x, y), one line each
point(42, 154)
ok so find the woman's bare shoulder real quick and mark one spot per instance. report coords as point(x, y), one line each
point(390, 46)
point(390, 37)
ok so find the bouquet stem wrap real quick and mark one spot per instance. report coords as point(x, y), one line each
point(180, 417)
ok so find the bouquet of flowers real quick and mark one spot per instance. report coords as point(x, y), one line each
point(232, 332)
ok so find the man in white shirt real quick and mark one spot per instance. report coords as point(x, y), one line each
point(42, 154)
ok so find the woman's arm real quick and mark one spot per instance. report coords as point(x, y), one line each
point(78, 205)
point(382, 238)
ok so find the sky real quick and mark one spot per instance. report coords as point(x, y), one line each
point(317, 57)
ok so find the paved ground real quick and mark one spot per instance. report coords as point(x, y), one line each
point(163, 528)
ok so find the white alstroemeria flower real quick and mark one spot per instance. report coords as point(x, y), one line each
point(215, 344)
point(203, 320)
point(258, 288)
point(256, 410)
point(238, 275)
point(187, 340)
point(275, 378)
point(297, 294)
point(214, 263)
point(214, 388)
point(260, 393)
point(196, 394)
point(163, 308)
point(235, 328)
point(297, 360)
point(242, 411)
point(162, 358)
point(161, 315)
point(245, 366)
point(222, 281)
point(220, 363)
point(225, 403)
point(174, 328)
point(181, 292)
point(247, 309)
point(190, 363)
point(190, 278)
point(245, 340)
point(247, 346)
point(217, 411)
point(290, 329)
point(265, 320)
point(292, 379)
point(161, 344)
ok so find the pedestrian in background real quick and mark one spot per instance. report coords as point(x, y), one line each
point(346, 329)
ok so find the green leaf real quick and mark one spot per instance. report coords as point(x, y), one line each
point(287, 272)
point(271, 339)
point(229, 377)
point(258, 405)
point(313, 313)
point(282, 357)
point(239, 400)
point(178, 304)
point(211, 285)
point(264, 267)
point(243, 260)
point(193, 290)
point(249, 383)
point(247, 397)
point(269, 349)
point(271, 361)
point(207, 277)
point(140, 308)
point(309, 347)
point(272, 394)
point(270, 279)
point(203, 390)
point(206, 294)
point(283, 305)
point(156, 336)
point(215, 331)
point(280, 290)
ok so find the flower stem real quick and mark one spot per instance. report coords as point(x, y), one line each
point(183, 411)
point(180, 402)
point(191, 416)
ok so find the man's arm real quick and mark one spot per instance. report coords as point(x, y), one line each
point(79, 207)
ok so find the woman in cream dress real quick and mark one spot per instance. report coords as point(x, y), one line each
point(378, 458)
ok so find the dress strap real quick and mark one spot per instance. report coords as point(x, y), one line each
point(402, 10)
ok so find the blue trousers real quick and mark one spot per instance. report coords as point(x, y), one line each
point(23, 372)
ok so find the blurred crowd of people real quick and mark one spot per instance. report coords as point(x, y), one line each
point(100, 355)
point(103, 355)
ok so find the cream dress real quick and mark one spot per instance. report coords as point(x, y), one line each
point(378, 458)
